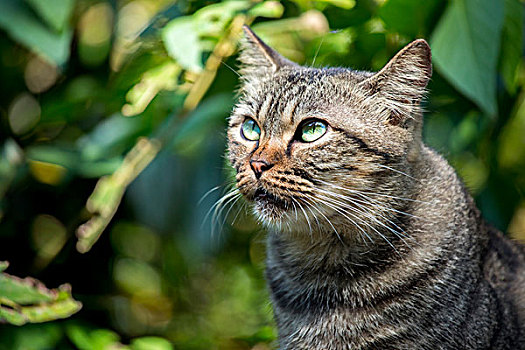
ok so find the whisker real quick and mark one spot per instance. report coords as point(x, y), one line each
point(397, 171)
point(343, 212)
point(327, 220)
point(372, 227)
point(207, 194)
point(317, 52)
point(233, 70)
point(373, 193)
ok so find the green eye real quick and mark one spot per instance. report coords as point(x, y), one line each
point(250, 130)
point(312, 130)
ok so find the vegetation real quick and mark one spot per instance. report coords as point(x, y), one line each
point(112, 132)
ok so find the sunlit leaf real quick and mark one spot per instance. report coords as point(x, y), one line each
point(27, 29)
point(212, 20)
point(153, 81)
point(269, 9)
point(150, 343)
point(344, 4)
point(465, 48)
point(55, 12)
point(93, 339)
point(182, 43)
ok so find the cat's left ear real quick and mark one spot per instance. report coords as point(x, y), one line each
point(257, 58)
point(401, 84)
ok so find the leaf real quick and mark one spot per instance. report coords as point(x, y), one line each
point(151, 343)
point(93, 339)
point(187, 38)
point(27, 29)
point(268, 9)
point(28, 300)
point(159, 78)
point(344, 4)
point(55, 12)
point(408, 17)
point(512, 44)
point(465, 48)
point(182, 43)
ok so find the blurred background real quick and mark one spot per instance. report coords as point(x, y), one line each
point(112, 132)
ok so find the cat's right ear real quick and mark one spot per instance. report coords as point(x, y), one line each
point(257, 58)
point(399, 87)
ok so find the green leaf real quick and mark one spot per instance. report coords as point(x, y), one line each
point(182, 43)
point(55, 12)
point(408, 17)
point(153, 81)
point(97, 339)
point(151, 343)
point(465, 48)
point(512, 44)
point(24, 291)
point(269, 9)
point(28, 300)
point(23, 26)
point(344, 4)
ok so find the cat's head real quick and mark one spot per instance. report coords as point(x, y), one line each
point(319, 149)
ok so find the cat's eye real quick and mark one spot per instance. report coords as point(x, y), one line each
point(312, 130)
point(250, 130)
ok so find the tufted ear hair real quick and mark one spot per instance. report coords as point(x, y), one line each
point(257, 58)
point(399, 87)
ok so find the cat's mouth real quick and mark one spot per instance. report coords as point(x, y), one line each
point(267, 199)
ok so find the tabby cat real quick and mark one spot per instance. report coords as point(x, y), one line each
point(374, 242)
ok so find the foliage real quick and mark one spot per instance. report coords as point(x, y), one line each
point(27, 300)
point(112, 131)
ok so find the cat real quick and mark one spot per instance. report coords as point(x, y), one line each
point(373, 240)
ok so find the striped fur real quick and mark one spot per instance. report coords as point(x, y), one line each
point(373, 241)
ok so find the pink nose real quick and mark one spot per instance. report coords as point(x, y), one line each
point(259, 166)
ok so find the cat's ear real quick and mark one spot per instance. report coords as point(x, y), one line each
point(257, 58)
point(401, 84)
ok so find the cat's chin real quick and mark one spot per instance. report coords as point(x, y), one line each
point(270, 209)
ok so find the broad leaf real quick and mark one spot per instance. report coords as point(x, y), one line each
point(182, 43)
point(27, 29)
point(465, 48)
point(55, 12)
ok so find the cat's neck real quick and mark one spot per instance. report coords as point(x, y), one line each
point(311, 263)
